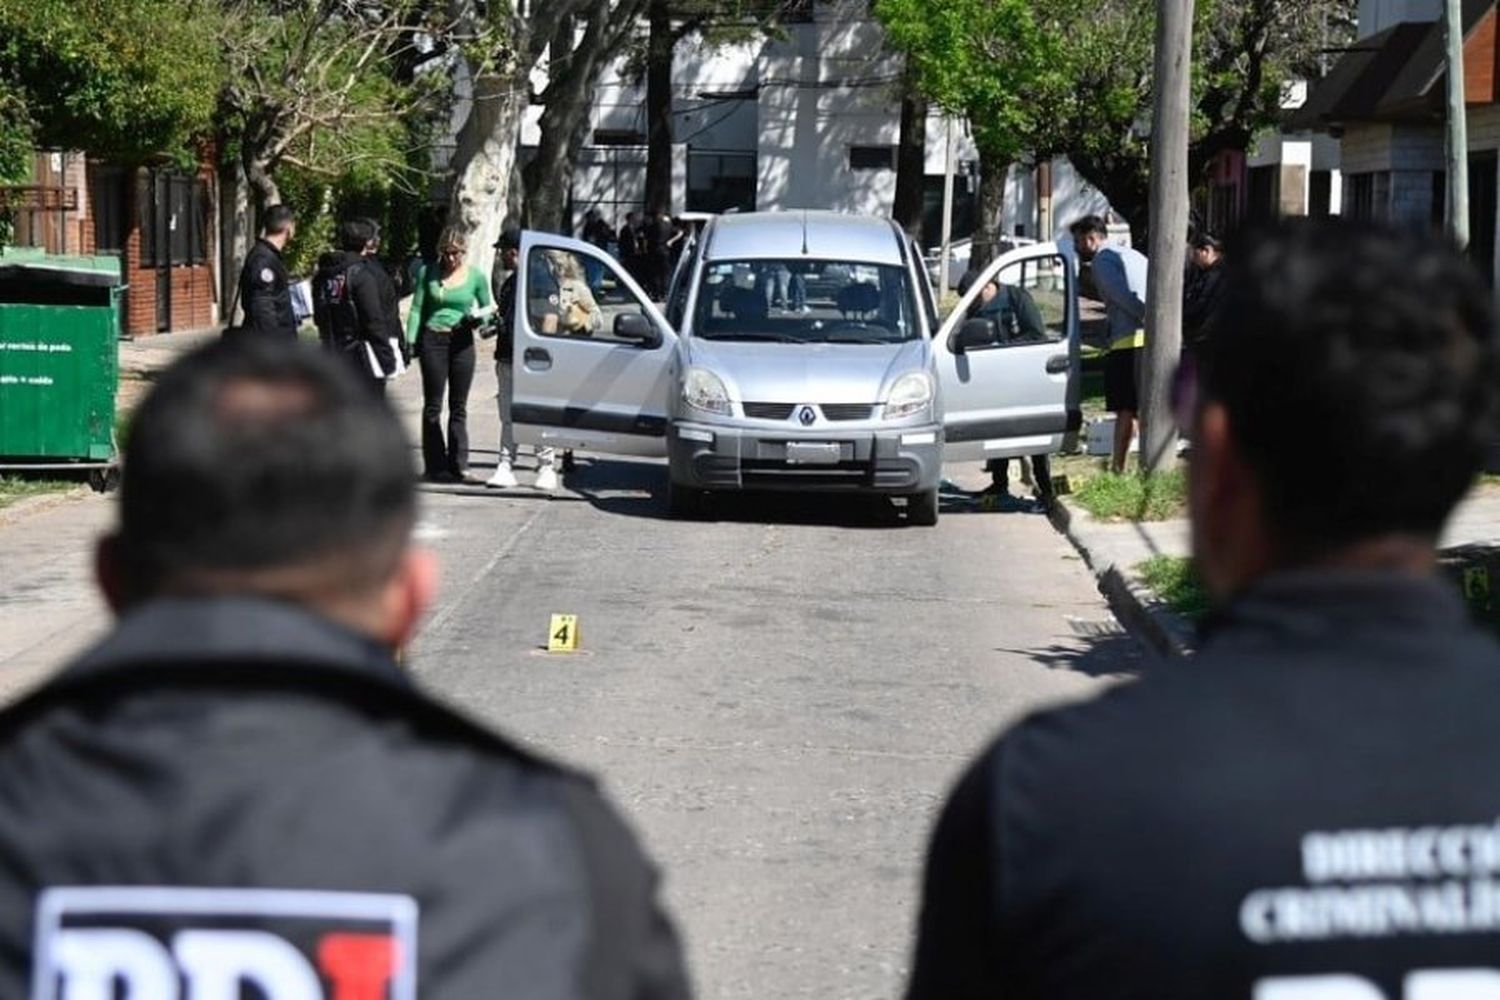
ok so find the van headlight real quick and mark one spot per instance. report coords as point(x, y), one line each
point(703, 390)
point(911, 394)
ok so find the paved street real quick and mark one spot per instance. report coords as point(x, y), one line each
point(778, 698)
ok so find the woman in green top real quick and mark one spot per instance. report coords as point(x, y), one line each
point(449, 299)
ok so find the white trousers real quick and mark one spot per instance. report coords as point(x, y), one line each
point(505, 376)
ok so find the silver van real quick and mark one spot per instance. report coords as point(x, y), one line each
point(794, 351)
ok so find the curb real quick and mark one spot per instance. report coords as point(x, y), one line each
point(1137, 608)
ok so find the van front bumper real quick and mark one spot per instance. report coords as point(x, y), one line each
point(720, 457)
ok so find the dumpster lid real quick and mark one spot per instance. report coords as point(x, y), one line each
point(24, 264)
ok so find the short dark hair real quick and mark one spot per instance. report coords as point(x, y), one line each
point(250, 456)
point(1206, 241)
point(1357, 364)
point(277, 220)
point(355, 234)
point(1089, 224)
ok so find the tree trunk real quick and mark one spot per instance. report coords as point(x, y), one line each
point(994, 170)
point(258, 174)
point(1169, 216)
point(660, 45)
point(911, 163)
point(484, 164)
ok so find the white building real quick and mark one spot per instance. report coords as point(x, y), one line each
point(808, 121)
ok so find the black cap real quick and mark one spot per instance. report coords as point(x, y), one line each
point(510, 239)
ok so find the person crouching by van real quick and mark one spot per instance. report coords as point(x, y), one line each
point(1017, 320)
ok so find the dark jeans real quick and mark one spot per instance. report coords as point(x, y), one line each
point(1041, 473)
point(447, 361)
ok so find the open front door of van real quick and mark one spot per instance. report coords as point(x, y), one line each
point(592, 368)
point(1007, 358)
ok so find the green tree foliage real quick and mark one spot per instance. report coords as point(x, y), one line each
point(124, 79)
point(1073, 77)
point(994, 63)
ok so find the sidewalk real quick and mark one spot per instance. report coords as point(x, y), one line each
point(49, 608)
point(1115, 551)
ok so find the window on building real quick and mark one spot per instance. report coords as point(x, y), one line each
point(1365, 195)
point(174, 213)
point(107, 204)
point(1483, 168)
point(719, 182)
point(1320, 194)
point(1262, 194)
point(872, 157)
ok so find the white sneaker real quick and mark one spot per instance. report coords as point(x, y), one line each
point(503, 479)
point(546, 479)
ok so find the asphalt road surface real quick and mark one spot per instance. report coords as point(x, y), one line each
point(778, 697)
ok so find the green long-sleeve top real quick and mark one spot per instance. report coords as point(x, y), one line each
point(441, 307)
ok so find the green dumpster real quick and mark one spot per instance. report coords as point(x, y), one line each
point(59, 360)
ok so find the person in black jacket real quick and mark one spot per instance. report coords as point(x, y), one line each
point(265, 288)
point(1202, 290)
point(240, 792)
point(352, 303)
point(1306, 810)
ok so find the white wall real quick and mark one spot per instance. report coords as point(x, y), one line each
point(1377, 15)
point(813, 108)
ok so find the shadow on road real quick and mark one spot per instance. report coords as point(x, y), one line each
point(1103, 650)
point(629, 488)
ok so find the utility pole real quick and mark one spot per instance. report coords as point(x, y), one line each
point(946, 252)
point(1169, 221)
point(1458, 126)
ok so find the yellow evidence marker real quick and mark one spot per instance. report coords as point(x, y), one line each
point(562, 634)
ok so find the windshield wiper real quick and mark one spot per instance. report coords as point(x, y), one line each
point(858, 340)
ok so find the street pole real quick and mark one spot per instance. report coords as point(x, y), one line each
point(1458, 130)
point(1169, 221)
point(947, 212)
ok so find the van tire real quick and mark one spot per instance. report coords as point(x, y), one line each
point(922, 508)
point(684, 501)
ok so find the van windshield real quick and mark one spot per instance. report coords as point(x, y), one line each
point(805, 302)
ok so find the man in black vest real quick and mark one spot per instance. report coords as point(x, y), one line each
point(1306, 810)
point(265, 288)
point(240, 792)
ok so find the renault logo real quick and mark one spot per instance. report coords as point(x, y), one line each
point(808, 416)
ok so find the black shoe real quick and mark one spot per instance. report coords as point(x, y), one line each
point(444, 478)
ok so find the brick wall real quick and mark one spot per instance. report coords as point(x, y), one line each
point(193, 294)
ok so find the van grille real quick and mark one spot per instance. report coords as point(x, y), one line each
point(847, 411)
point(831, 411)
point(769, 411)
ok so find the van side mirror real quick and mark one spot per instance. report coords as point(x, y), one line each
point(972, 333)
point(638, 330)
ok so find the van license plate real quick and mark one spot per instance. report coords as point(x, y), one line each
point(808, 453)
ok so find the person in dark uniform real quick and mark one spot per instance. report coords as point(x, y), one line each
point(1306, 809)
point(632, 247)
point(265, 288)
point(288, 814)
point(350, 304)
point(1017, 321)
point(1202, 290)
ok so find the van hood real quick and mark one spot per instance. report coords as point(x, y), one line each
point(762, 372)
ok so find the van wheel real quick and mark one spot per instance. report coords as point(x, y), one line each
point(685, 501)
point(922, 508)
